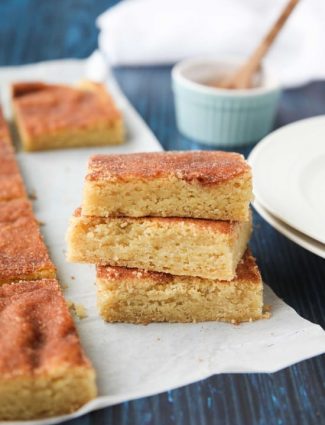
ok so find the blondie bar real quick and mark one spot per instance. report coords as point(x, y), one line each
point(43, 369)
point(138, 296)
point(23, 254)
point(180, 246)
point(56, 116)
point(213, 185)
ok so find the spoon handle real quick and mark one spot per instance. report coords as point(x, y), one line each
point(242, 78)
point(266, 43)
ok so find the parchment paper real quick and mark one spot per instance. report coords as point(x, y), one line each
point(134, 360)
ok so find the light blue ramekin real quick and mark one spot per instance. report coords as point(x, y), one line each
point(219, 117)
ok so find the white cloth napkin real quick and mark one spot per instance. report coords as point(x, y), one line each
point(143, 32)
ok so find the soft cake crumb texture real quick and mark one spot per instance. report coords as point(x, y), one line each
point(137, 296)
point(180, 246)
point(212, 185)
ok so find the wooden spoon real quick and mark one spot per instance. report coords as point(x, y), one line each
point(243, 77)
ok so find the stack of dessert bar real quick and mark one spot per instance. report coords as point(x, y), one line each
point(168, 233)
point(43, 369)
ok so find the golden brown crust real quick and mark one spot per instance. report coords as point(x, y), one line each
point(47, 109)
point(247, 270)
point(218, 226)
point(24, 88)
point(11, 187)
point(5, 138)
point(124, 273)
point(39, 331)
point(22, 250)
point(11, 183)
point(204, 167)
point(8, 162)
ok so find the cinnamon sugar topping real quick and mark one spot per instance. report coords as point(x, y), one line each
point(204, 167)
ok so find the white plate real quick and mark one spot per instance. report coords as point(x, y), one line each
point(294, 235)
point(289, 175)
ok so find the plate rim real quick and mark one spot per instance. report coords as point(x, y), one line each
point(289, 232)
point(251, 159)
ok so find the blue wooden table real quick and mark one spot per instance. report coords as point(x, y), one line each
point(34, 30)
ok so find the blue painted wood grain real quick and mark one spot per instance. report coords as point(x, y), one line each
point(34, 30)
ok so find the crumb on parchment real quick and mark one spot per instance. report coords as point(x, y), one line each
point(78, 310)
point(32, 195)
point(267, 311)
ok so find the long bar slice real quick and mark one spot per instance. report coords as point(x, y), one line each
point(23, 254)
point(212, 185)
point(138, 296)
point(11, 183)
point(43, 369)
point(180, 246)
point(5, 139)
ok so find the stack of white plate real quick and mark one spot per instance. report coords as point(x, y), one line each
point(289, 182)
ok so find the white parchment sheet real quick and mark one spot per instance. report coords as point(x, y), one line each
point(134, 360)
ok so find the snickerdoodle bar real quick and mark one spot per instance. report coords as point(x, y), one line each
point(199, 184)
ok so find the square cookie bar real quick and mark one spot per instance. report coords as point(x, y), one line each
point(43, 369)
point(56, 116)
point(180, 246)
point(138, 296)
point(213, 185)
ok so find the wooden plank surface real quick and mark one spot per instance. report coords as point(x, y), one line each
point(34, 30)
